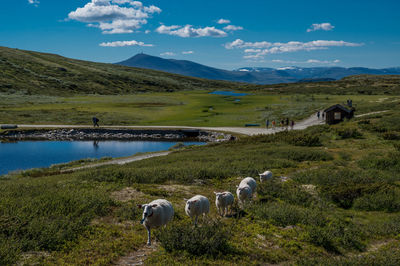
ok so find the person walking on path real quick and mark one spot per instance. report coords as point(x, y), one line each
point(323, 115)
point(287, 122)
point(267, 123)
point(273, 124)
point(95, 121)
point(318, 114)
point(292, 124)
point(282, 123)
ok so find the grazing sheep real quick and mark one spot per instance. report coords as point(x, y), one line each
point(265, 176)
point(196, 206)
point(224, 201)
point(246, 189)
point(155, 214)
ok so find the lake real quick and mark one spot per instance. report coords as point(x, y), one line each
point(229, 93)
point(24, 155)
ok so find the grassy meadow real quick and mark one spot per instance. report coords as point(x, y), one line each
point(340, 205)
point(188, 108)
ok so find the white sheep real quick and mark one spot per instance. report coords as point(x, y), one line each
point(265, 176)
point(196, 206)
point(155, 214)
point(246, 189)
point(224, 201)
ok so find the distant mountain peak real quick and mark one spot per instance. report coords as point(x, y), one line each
point(258, 75)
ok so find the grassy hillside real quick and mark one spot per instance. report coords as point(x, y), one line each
point(340, 206)
point(30, 72)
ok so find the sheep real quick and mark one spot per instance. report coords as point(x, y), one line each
point(246, 189)
point(265, 176)
point(155, 214)
point(224, 201)
point(196, 206)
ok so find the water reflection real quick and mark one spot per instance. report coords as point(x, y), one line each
point(33, 154)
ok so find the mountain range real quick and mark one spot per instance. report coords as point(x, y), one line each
point(256, 75)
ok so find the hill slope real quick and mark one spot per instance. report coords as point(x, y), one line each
point(40, 73)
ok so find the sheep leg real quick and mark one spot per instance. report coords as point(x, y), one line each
point(148, 236)
point(195, 220)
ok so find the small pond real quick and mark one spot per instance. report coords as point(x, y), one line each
point(24, 155)
point(229, 93)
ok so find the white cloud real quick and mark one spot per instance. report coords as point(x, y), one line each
point(187, 52)
point(322, 26)
point(309, 61)
point(33, 2)
point(188, 31)
point(168, 54)
point(256, 50)
point(223, 21)
point(233, 28)
point(147, 31)
point(125, 43)
point(114, 16)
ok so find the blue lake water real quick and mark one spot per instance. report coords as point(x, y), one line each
point(229, 93)
point(24, 155)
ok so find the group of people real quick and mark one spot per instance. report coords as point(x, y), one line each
point(283, 123)
point(319, 115)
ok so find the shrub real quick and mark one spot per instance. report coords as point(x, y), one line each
point(391, 135)
point(287, 191)
point(206, 240)
point(336, 235)
point(384, 200)
point(283, 214)
point(347, 133)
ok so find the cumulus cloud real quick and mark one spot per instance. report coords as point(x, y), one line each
point(321, 26)
point(223, 21)
point(125, 43)
point(189, 31)
point(187, 52)
point(114, 16)
point(257, 50)
point(233, 28)
point(168, 54)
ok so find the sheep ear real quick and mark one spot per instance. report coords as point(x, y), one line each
point(237, 186)
point(139, 206)
point(154, 205)
point(185, 200)
point(216, 193)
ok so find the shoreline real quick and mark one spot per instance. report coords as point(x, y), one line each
point(102, 134)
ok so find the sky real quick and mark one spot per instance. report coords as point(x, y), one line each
point(219, 33)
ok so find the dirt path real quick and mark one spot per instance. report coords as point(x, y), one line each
point(119, 161)
point(250, 131)
point(138, 257)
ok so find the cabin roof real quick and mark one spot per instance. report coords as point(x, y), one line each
point(337, 106)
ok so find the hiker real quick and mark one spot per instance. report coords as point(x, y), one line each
point(282, 122)
point(95, 122)
point(287, 121)
point(292, 124)
point(273, 124)
point(323, 116)
point(318, 114)
point(267, 123)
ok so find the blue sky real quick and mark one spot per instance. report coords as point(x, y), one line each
point(220, 33)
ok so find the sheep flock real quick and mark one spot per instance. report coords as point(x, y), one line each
point(160, 212)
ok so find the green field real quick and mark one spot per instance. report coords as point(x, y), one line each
point(192, 108)
point(340, 207)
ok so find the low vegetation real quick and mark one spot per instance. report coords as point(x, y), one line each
point(340, 204)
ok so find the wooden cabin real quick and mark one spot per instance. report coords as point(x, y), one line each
point(337, 113)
